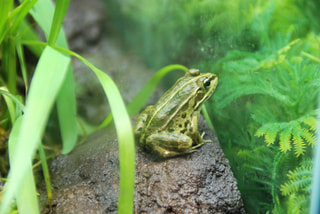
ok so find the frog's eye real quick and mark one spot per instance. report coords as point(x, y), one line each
point(206, 82)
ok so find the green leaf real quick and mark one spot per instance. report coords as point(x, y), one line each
point(309, 137)
point(66, 105)
point(10, 100)
point(44, 13)
point(26, 196)
point(311, 121)
point(45, 85)
point(142, 97)
point(6, 7)
point(59, 14)
point(124, 133)
point(285, 137)
point(299, 144)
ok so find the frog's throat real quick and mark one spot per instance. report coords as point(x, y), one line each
point(170, 98)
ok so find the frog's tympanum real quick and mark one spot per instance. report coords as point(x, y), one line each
point(170, 127)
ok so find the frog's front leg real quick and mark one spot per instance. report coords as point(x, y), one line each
point(194, 133)
point(169, 144)
point(141, 122)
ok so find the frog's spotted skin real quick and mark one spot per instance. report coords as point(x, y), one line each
point(170, 127)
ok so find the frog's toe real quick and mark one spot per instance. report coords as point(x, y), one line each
point(203, 140)
point(164, 152)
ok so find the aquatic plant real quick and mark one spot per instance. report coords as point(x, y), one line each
point(273, 92)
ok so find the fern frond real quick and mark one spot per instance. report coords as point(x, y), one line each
point(295, 185)
point(285, 138)
point(297, 204)
point(299, 179)
point(269, 131)
point(263, 130)
point(311, 122)
point(271, 135)
point(309, 137)
point(299, 145)
point(298, 142)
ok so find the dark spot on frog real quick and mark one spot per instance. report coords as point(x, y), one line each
point(184, 115)
point(171, 129)
point(183, 131)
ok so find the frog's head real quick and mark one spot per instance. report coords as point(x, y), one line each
point(206, 85)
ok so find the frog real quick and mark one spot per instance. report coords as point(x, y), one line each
point(170, 127)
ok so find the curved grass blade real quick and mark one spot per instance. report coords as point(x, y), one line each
point(45, 85)
point(206, 116)
point(142, 97)
point(66, 106)
point(124, 133)
point(50, 21)
point(10, 100)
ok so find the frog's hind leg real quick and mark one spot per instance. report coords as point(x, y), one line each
point(169, 144)
point(164, 152)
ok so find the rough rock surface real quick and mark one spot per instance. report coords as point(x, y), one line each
point(86, 181)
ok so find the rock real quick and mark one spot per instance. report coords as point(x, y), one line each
point(86, 181)
point(84, 23)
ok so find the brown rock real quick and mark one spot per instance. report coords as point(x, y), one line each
point(86, 181)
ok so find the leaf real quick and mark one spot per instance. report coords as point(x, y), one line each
point(6, 7)
point(45, 85)
point(299, 145)
point(43, 12)
point(271, 135)
point(124, 133)
point(27, 200)
point(285, 137)
point(311, 121)
point(299, 180)
point(309, 137)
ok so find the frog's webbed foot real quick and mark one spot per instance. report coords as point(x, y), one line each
point(164, 152)
point(203, 140)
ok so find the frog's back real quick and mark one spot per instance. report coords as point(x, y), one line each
point(170, 102)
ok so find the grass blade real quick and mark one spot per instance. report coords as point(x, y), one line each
point(46, 83)
point(124, 133)
point(142, 97)
point(66, 102)
point(6, 7)
point(59, 14)
point(66, 105)
point(46, 173)
point(27, 200)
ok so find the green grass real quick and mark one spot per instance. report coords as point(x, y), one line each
point(52, 83)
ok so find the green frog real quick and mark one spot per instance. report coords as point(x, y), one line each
point(170, 127)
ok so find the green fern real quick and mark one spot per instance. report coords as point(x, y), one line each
point(298, 204)
point(297, 134)
point(299, 180)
